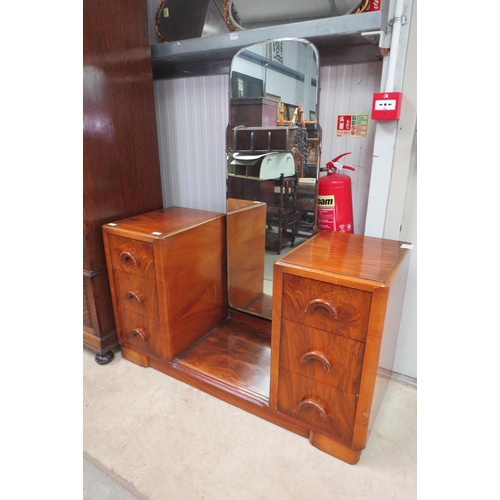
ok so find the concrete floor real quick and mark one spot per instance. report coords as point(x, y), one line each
point(148, 436)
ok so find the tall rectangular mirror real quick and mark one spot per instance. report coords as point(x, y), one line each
point(273, 143)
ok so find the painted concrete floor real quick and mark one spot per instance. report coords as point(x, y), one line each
point(150, 437)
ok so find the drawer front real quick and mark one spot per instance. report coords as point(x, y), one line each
point(139, 333)
point(325, 306)
point(325, 357)
point(136, 294)
point(132, 256)
point(318, 405)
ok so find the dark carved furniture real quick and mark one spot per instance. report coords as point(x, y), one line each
point(121, 169)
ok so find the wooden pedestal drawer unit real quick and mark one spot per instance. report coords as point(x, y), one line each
point(167, 280)
point(337, 302)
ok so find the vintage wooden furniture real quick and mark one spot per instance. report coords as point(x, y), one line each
point(306, 208)
point(253, 112)
point(121, 167)
point(281, 214)
point(279, 196)
point(336, 314)
point(168, 279)
point(319, 367)
point(246, 238)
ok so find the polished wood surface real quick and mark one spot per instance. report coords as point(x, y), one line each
point(169, 278)
point(320, 406)
point(161, 224)
point(322, 356)
point(352, 256)
point(235, 353)
point(99, 332)
point(121, 169)
point(337, 302)
point(140, 333)
point(319, 368)
point(246, 234)
point(330, 445)
point(253, 112)
point(261, 306)
point(380, 350)
point(341, 310)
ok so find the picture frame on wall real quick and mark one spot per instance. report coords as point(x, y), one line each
point(276, 52)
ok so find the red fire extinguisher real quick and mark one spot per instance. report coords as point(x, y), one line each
point(335, 199)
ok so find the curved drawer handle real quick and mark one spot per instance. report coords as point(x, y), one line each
point(312, 403)
point(322, 304)
point(135, 295)
point(139, 332)
point(319, 356)
point(129, 259)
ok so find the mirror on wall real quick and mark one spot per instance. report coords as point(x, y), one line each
point(240, 15)
point(273, 141)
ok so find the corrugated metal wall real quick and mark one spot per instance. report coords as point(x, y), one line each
point(192, 115)
point(348, 89)
point(191, 118)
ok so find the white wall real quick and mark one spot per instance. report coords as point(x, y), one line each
point(191, 117)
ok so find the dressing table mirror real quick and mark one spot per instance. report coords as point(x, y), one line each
point(315, 354)
point(273, 143)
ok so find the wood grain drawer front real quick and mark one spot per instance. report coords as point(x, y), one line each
point(318, 405)
point(139, 333)
point(132, 256)
point(325, 357)
point(136, 294)
point(333, 308)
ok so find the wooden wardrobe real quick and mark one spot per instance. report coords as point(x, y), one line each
point(121, 167)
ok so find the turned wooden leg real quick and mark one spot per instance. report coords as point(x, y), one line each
point(104, 359)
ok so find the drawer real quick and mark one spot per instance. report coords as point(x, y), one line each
point(317, 405)
point(325, 357)
point(132, 256)
point(337, 309)
point(139, 333)
point(136, 294)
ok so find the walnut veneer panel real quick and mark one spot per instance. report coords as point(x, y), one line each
point(319, 368)
point(322, 407)
point(350, 256)
point(322, 356)
point(140, 333)
point(337, 302)
point(132, 257)
point(234, 353)
point(168, 266)
point(337, 309)
point(246, 238)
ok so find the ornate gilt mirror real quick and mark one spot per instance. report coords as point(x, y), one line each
point(273, 148)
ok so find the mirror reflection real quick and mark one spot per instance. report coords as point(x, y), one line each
point(272, 143)
point(241, 15)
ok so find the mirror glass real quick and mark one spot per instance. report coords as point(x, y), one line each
point(272, 143)
point(243, 15)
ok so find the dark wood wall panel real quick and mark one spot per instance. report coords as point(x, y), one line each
point(121, 168)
